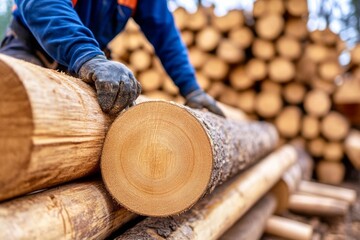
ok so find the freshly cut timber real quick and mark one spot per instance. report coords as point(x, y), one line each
point(82, 210)
point(335, 126)
point(330, 172)
point(269, 26)
point(212, 216)
point(252, 224)
point(51, 128)
point(165, 161)
point(288, 229)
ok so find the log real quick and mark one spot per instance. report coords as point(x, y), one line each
point(317, 206)
point(170, 168)
point(352, 147)
point(288, 229)
point(294, 92)
point(208, 39)
point(150, 80)
point(263, 49)
point(229, 96)
point(241, 36)
point(288, 122)
point(229, 52)
point(325, 37)
point(317, 53)
point(317, 103)
point(270, 86)
point(268, 104)
point(34, 133)
point(306, 70)
point(310, 128)
point(197, 20)
point(230, 20)
point(211, 217)
point(132, 26)
point(169, 87)
point(325, 86)
point(203, 81)
point(256, 69)
point(187, 37)
point(239, 80)
point(180, 17)
point(269, 26)
point(333, 151)
point(329, 70)
point(140, 60)
point(157, 94)
point(132, 41)
point(81, 210)
point(252, 224)
point(246, 101)
point(197, 57)
point(355, 55)
point(296, 27)
point(297, 8)
point(316, 147)
point(334, 126)
point(215, 69)
point(216, 89)
point(326, 190)
point(330, 172)
point(263, 7)
point(289, 47)
point(281, 70)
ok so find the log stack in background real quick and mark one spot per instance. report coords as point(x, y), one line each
point(272, 68)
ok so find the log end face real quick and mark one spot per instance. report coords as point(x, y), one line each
point(16, 126)
point(159, 155)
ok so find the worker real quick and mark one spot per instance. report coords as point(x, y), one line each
point(73, 33)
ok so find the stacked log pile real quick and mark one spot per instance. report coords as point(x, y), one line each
point(273, 69)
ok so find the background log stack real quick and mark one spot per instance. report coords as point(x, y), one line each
point(272, 68)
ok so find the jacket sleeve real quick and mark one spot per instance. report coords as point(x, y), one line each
point(59, 30)
point(158, 25)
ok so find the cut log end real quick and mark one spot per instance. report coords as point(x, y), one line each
point(166, 162)
point(16, 125)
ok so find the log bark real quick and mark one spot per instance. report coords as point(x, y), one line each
point(252, 224)
point(211, 217)
point(182, 154)
point(288, 229)
point(352, 148)
point(45, 114)
point(317, 206)
point(75, 211)
point(326, 190)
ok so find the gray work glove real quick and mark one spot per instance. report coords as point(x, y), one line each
point(199, 99)
point(115, 84)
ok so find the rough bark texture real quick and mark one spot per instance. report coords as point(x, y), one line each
point(252, 224)
point(75, 211)
point(212, 216)
point(51, 128)
point(235, 145)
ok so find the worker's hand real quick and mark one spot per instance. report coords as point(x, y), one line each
point(199, 99)
point(115, 84)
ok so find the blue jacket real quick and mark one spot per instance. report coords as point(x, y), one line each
point(72, 32)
